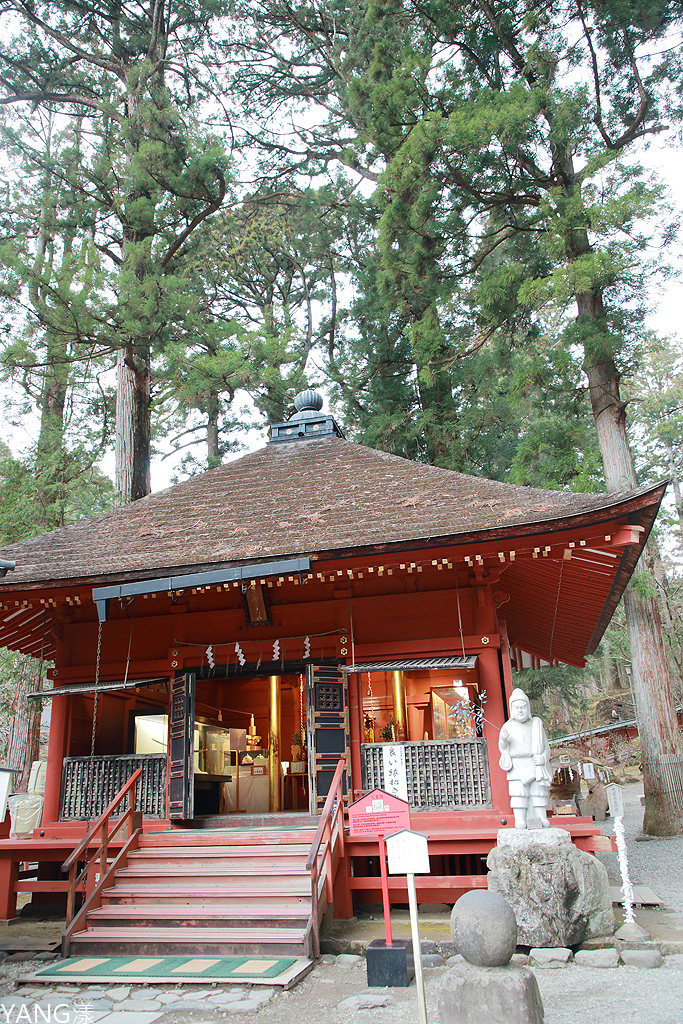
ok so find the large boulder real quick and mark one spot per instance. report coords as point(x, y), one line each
point(560, 895)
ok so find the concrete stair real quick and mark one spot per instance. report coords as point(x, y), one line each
point(225, 893)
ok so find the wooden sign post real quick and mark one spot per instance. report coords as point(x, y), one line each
point(379, 814)
point(408, 855)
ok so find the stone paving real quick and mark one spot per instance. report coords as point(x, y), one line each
point(341, 980)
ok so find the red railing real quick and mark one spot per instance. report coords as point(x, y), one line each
point(75, 922)
point(330, 831)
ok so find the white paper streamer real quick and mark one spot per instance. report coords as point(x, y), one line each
point(626, 887)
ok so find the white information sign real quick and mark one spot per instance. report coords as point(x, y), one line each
point(615, 800)
point(394, 765)
point(588, 770)
point(407, 853)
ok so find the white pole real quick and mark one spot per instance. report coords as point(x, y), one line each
point(417, 952)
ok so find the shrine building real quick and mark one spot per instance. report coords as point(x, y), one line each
point(312, 614)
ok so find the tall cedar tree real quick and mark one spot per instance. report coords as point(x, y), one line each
point(134, 75)
point(485, 121)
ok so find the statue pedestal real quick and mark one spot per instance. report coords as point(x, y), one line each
point(560, 895)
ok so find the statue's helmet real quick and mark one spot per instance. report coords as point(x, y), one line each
point(519, 697)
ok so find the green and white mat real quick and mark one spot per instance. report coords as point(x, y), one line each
point(251, 970)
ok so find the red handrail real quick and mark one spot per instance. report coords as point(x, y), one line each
point(75, 921)
point(333, 811)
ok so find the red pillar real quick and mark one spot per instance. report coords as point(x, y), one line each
point(55, 757)
point(9, 876)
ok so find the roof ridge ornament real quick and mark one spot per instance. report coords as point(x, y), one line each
point(308, 421)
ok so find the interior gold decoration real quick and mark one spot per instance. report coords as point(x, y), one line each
point(398, 692)
point(274, 744)
point(253, 740)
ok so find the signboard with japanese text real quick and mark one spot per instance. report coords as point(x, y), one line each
point(588, 770)
point(394, 766)
point(378, 814)
point(615, 800)
point(407, 853)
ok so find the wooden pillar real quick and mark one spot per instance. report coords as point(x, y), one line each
point(398, 692)
point(356, 732)
point(55, 758)
point(274, 802)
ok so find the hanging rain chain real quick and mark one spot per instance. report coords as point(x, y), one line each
point(302, 723)
point(97, 681)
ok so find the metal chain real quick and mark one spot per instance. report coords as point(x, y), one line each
point(97, 680)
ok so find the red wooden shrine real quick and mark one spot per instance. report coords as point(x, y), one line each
point(241, 632)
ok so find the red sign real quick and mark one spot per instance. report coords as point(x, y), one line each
point(378, 814)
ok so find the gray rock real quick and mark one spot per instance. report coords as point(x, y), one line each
point(328, 958)
point(470, 994)
point(596, 958)
point(601, 942)
point(550, 958)
point(432, 960)
point(669, 947)
point(560, 895)
point(242, 1006)
point(366, 1001)
point(99, 1004)
point(18, 958)
point(181, 1005)
point(141, 1004)
point(645, 958)
point(428, 946)
point(483, 928)
point(222, 998)
point(46, 955)
point(148, 993)
point(520, 960)
point(348, 959)
point(674, 960)
point(118, 992)
point(338, 944)
point(458, 958)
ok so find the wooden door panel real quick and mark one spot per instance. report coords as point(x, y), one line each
point(181, 747)
point(328, 731)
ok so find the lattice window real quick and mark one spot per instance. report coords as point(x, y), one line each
point(441, 775)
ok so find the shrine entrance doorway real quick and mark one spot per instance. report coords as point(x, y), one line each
point(256, 744)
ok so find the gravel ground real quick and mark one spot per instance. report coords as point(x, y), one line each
point(571, 995)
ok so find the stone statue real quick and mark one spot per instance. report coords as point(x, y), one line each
point(525, 756)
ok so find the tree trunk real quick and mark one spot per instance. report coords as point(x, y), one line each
point(212, 433)
point(660, 735)
point(23, 745)
point(133, 426)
